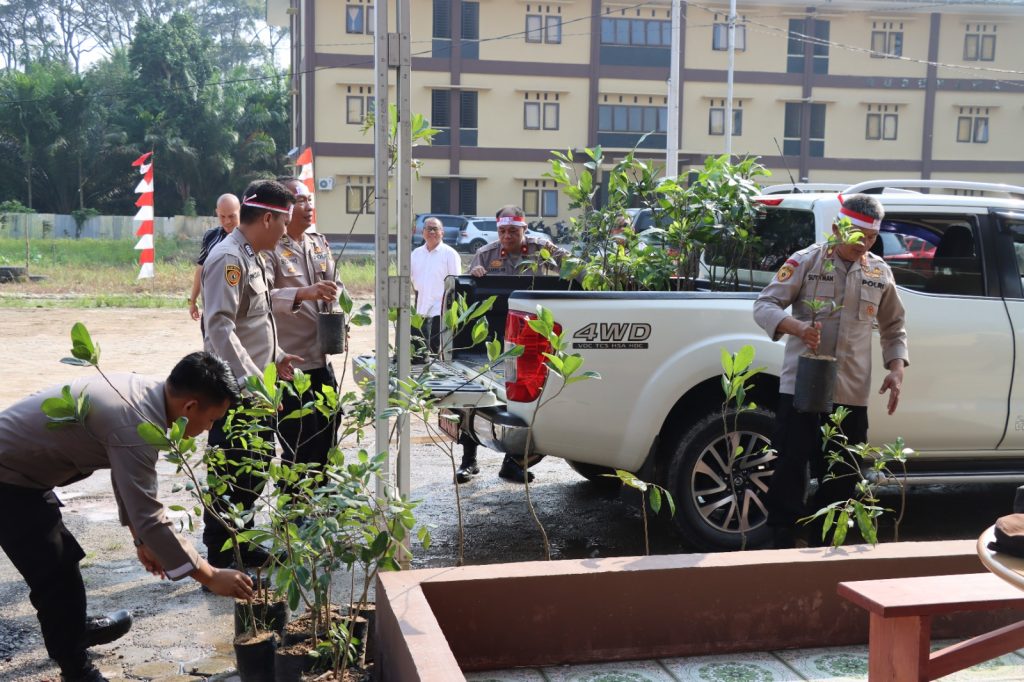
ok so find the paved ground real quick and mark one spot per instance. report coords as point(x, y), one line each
point(180, 633)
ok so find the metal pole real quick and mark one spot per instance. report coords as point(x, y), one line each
point(728, 81)
point(380, 184)
point(674, 83)
point(403, 342)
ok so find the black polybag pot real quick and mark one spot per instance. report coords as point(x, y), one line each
point(368, 610)
point(288, 667)
point(330, 330)
point(254, 658)
point(272, 616)
point(815, 383)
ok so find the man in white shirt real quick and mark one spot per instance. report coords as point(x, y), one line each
point(431, 264)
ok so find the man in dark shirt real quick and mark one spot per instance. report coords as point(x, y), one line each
point(227, 215)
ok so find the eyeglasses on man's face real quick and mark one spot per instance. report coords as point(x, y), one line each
point(431, 228)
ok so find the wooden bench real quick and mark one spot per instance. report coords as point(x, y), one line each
point(899, 640)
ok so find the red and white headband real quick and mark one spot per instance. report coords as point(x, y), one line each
point(248, 201)
point(860, 220)
point(512, 220)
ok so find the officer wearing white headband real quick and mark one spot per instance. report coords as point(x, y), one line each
point(514, 253)
point(240, 329)
point(862, 287)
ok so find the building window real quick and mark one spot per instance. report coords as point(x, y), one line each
point(549, 203)
point(980, 43)
point(551, 115)
point(720, 37)
point(716, 119)
point(531, 202)
point(534, 28)
point(358, 107)
point(972, 127)
point(886, 42)
point(470, 30)
point(624, 118)
point(467, 196)
point(791, 135)
point(882, 124)
point(353, 199)
point(636, 32)
point(531, 115)
point(440, 116)
point(552, 29)
point(442, 19)
point(798, 36)
point(468, 118)
point(440, 195)
point(359, 19)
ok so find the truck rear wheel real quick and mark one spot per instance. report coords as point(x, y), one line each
point(721, 503)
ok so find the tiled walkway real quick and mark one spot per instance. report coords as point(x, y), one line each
point(833, 665)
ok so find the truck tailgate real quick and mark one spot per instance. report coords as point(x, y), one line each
point(454, 387)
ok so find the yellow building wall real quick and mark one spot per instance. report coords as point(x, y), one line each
point(854, 30)
point(1009, 37)
point(763, 117)
point(330, 28)
point(503, 26)
point(766, 30)
point(846, 123)
point(1006, 122)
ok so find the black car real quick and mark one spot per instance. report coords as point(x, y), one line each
point(453, 225)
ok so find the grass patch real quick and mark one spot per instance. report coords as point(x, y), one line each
point(102, 273)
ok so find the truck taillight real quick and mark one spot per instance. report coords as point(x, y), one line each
point(464, 233)
point(525, 375)
point(773, 201)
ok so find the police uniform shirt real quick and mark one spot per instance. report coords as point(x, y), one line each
point(294, 264)
point(37, 457)
point(238, 321)
point(497, 261)
point(866, 294)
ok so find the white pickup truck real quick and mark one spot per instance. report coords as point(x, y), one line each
point(656, 411)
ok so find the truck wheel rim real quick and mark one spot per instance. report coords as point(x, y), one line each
point(714, 481)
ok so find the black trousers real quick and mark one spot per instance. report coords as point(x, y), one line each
point(430, 332)
point(306, 440)
point(798, 442)
point(245, 488)
point(44, 551)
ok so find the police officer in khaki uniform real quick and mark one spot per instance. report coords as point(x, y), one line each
point(239, 328)
point(864, 292)
point(302, 277)
point(512, 254)
point(34, 459)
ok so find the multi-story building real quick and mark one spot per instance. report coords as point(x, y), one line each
point(847, 90)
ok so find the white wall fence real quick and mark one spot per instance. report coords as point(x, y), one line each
point(60, 226)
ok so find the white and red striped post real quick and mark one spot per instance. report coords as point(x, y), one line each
point(145, 216)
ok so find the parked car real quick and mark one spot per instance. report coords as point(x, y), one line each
point(482, 230)
point(452, 225)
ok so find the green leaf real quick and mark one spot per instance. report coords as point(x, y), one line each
point(345, 302)
point(655, 498)
point(152, 434)
point(82, 346)
point(571, 363)
point(482, 307)
point(479, 331)
point(743, 358)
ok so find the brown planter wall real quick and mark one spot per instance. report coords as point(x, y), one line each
point(434, 623)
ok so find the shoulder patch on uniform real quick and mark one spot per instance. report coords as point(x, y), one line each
point(792, 261)
point(232, 274)
point(785, 272)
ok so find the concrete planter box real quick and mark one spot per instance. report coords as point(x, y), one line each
point(433, 624)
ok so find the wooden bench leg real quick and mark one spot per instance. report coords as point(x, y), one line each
point(898, 648)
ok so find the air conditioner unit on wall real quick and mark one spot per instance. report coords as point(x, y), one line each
point(325, 184)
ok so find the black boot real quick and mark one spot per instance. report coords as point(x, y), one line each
point(512, 471)
point(469, 468)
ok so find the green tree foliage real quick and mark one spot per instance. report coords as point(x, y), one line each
point(197, 86)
